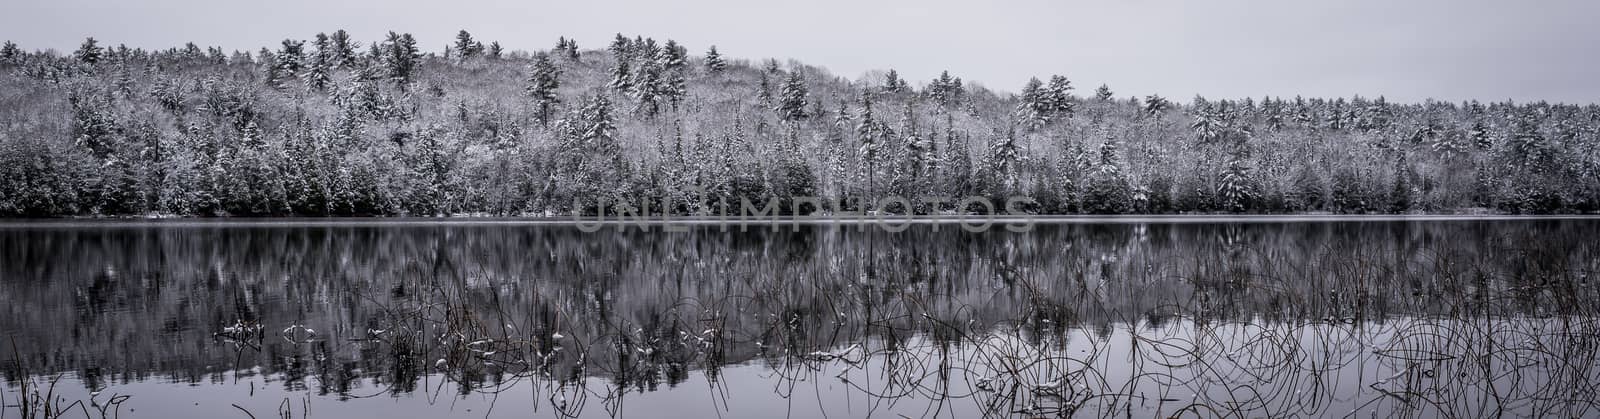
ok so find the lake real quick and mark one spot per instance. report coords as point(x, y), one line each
point(1093, 317)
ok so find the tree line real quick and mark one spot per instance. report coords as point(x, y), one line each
point(333, 126)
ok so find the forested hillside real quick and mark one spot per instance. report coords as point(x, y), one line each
point(336, 126)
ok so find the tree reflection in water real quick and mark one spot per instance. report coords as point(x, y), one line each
point(1458, 318)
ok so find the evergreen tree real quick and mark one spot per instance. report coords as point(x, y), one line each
point(842, 118)
point(89, 52)
point(288, 62)
point(494, 51)
point(621, 78)
point(465, 47)
point(921, 151)
point(1235, 187)
point(673, 87)
point(714, 61)
point(958, 159)
point(343, 54)
point(621, 48)
point(764, 90)
point(672, 56)
point(1209, 125)
point(1002, 162)
point(1103, 93)
point(1035, 105)
point(867, 132)
point(213, 55)
point(1480, 136)
point(945, 91)
point(93, 122)
point(1058, 96)
point(318, 71)
point(192, 52)
point(1154, 105)
point(598, 127)
point(567, 48)
point(167, 93)
point(269, 61)
point(590, 156)
point(792, 104)
point(401, 56)
point(1527, 145)
point(10, 54)
point(645, 88)
point(645, 50)
point(543, 80)
point(1109, 191)
point(1400, 196)
point(892, 83)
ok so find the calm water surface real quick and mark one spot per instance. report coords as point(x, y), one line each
point(1270, 318)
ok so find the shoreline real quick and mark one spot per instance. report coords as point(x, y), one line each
point(774, 221)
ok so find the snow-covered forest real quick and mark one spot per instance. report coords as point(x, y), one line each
point(339, 126)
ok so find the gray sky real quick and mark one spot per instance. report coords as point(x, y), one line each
point(1407, 50)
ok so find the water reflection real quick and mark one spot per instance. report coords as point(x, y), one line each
point(1456, 318)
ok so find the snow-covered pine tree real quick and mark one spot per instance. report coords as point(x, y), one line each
point(945, 91)
point(124, 81)
point(1103, 93)
point(672, 86)
point(191, 52)
point(764, 90)
point(645, 88)
point(621, 78)
point(672, 56)
point(644, 50)
point(89, 52)
point(167, 93)
point(892, 83)
point(543, 80)
point(1003, 161)
point(1154, 105)
point(214, 55)
point(1058, 96)
point(1108, 190)
point(1274, 115)
point(343, 51)
point(867, 131)
point(465, 47)
point(1235, 187)
point(10, 54)
point(1209, 125)
point(957, 171)
point(268, 61)
point(319, 69)
point(1400, 196)
point(93, 120)
point(1034, 105)
point(921, 153)
point(290, 61)
point(621, 48)
point(598, 127)
point(792, 103)
point(401, 56)
point(494, 51)
point(567, 48)
point(714, 62)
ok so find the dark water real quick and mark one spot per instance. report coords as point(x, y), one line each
point(369, 319)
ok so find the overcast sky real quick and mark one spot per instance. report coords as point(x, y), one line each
point(1407, 50)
